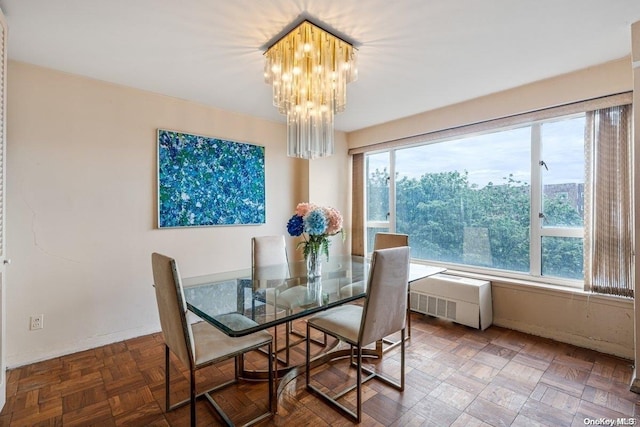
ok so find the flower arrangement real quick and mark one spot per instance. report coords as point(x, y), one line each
point(318, 223)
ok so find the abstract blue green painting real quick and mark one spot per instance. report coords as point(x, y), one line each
point(205, 181)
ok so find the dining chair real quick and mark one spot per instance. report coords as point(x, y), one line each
point(384, 312)
point(270, 265)
point(200, 344)
point(384, 240)
point(390, 240)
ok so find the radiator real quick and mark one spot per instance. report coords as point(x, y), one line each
point(459, 299)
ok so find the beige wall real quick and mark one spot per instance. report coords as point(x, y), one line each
point(82, 207)
point(610, 78)
point(597, 322)
point(331, 186)
point(600, 323)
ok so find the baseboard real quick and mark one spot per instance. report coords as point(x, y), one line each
point(28, 358)
point(580, 341)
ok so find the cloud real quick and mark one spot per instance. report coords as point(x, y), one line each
point(493, 157)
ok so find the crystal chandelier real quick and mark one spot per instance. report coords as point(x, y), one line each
point(309, 69)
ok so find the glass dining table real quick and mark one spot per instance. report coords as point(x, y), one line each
point(244, 301)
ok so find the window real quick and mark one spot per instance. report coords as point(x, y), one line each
point(511, 199)
point(562, 203)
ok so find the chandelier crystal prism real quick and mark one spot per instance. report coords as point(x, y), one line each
point(309, 69)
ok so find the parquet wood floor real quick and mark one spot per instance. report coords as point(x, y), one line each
point(456, 376)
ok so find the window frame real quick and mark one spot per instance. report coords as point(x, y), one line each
point(537, 229)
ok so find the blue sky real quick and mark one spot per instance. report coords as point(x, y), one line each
point(490, 157)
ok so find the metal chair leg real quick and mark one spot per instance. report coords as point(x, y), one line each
point(356, 352)
point(308, 357)
point(193, 397)
point(408, 316)
point(272, 409)
point(359, 386)
point(402, 354)
point(287, 342)
point(167, 378)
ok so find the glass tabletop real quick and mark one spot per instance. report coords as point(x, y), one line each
point(245, 301)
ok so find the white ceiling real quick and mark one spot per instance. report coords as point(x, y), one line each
point(414, 55)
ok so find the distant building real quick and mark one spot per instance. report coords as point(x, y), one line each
point(572, 193)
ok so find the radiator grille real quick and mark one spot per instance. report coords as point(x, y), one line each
point(433, 306)
point(442, 308)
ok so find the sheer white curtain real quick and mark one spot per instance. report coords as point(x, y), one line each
point(608, 202)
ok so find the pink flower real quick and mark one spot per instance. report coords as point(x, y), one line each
point(304, 208)
point(334, 220)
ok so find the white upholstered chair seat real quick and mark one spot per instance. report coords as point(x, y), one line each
point(289, 298)
point(212, 345)
point(343, 321)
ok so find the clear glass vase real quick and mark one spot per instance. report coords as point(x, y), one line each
point(314, 264)
point(314, 291)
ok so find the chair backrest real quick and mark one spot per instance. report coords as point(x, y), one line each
point(172, 307)
point(268, 250)
point(269, 258)
point(390, 240)
point(385, 308)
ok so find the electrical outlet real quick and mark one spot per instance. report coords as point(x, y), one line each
point(37, 322)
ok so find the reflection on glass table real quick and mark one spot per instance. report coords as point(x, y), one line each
point(244, 301)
